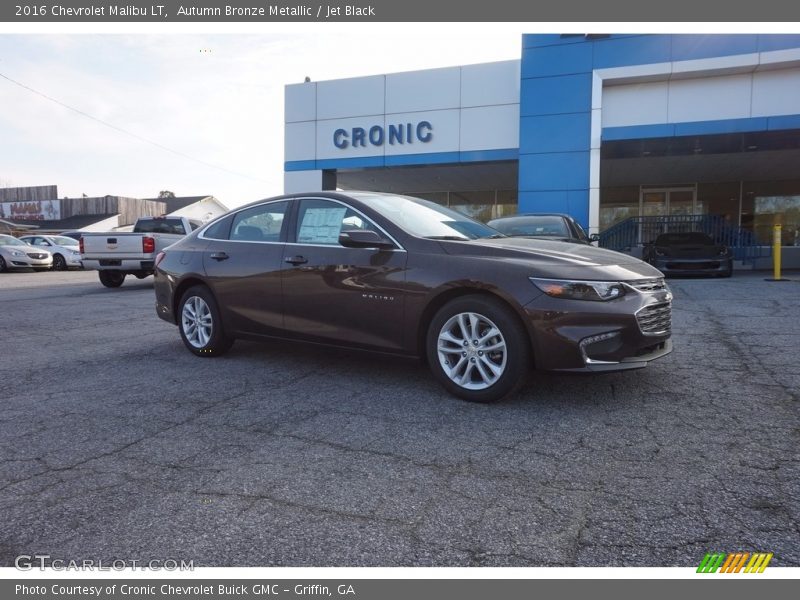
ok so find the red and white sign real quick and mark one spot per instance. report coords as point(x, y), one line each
point(35, 210)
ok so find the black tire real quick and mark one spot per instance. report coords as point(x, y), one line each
point(111, 279)
point(513, 366)
point(59, 263)
point(3, 265)
point(216, 342)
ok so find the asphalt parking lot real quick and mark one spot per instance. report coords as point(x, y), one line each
point(116, 443)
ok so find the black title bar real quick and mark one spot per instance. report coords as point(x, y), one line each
point(238, 11)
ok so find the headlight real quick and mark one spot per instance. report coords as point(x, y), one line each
point(580, 290)
point(660, 252)
point(17, 253)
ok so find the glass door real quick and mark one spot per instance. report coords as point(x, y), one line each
point(681, 202)
point(663, 202)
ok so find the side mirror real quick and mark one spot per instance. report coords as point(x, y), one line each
point(363, 238)
point(595, 237)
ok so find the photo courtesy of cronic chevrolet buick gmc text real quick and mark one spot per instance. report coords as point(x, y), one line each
point(403, 275)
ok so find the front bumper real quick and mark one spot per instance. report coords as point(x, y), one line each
point(73, 260)
point(579, 335)
point(27, 262)
point(694, 266)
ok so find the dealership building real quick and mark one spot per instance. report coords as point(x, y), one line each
point(607, 128)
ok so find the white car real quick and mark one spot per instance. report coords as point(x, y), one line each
point(65, 250)
point(16, 254)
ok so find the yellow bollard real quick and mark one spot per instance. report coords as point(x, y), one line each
point(776, 253)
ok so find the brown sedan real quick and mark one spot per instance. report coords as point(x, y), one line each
point(403, 275)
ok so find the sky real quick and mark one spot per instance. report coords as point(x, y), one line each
point(215, 102)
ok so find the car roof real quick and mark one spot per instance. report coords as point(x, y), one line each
point(533, 215)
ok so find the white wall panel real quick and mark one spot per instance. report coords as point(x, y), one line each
point(350, 97)
point(490, 127)
point(709, 99)
point(492, 83)
point(635, 104)
point(302, 181)
point(445, 132)
point(299, 141)
point(300, 102)
point(432, 89)
point(776, 93)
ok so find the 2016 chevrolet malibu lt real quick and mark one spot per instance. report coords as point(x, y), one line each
point(406, 276)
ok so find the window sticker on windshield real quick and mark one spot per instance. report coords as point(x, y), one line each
point(321, 225)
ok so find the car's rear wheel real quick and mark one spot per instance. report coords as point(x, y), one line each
point(200, 323)
point(477, 348)
point(59, 264)
point(111, 279)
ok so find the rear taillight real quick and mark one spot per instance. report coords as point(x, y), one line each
point(159, 257)
point(80, 244)
point(148, 245)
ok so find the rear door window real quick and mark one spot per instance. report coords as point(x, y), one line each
point(262, 223)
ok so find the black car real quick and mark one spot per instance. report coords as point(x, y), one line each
point(690, 253)
point(407, 276)
point(551, 226)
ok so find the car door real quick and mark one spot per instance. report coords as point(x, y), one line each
point(336, 294)
point(242, 263)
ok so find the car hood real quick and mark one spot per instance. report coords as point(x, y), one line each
point(557, 259)
point(26, 249)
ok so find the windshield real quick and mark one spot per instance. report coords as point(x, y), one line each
point(541, 225)
point(8, 240)
point(426, 219)
point(60, 240)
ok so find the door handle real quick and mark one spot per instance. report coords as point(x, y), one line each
point(220, 256)
point(296, 260)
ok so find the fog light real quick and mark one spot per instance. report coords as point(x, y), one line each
point(595, 339)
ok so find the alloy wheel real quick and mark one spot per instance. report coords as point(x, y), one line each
point(472, 351)
point(197, 322)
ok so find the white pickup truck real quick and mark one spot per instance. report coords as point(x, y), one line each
point(115, 255)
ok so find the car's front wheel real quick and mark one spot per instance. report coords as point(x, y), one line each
point(478, 349)
point(59, 263)
point(200, 323)
point(3, 265)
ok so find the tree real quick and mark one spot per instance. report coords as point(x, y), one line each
point(166, 194)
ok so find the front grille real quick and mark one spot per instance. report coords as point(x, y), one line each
point(648, 285)
point(692, 266)
point(655, 318)
point(35, 255)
